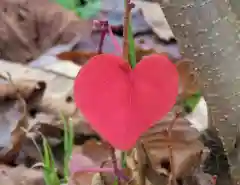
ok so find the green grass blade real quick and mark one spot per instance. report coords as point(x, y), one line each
point(46, 161)
point(50, 174)
point(68, 144)
point(53, 167)
point(71, 137)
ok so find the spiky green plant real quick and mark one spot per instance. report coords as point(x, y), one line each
point(68, 144)
point(50, 173)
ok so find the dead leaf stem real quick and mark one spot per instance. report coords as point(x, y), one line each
point(172, 177)
point(141, 158)
point(100, 46)
point(114, 162)
point(104, 25)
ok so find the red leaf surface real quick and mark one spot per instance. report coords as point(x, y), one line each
point(121, 103)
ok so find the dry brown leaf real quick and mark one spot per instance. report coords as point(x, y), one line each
point(186, 158)
point(91, 154)
point(82, 178)
point(204, 178)
point(182, 133)
point(154, 16)
point(97, 180)
point(57, 97)
point(189, 80)
point(96, 151)
point(16, 114)
point(30, 90)
point(20, 176)
point(42, 124)
point(186, 147)
point(141, 170)
point(80, 57)
point(77, 57)
point(9, 153)
point(155, 178)
point(29, 27)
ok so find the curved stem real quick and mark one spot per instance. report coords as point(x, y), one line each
point(125, 29)
point(100, 46)
point(114, 161)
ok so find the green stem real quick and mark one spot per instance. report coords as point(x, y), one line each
point(132, 54)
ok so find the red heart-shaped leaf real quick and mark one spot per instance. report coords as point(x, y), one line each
point(121, 103)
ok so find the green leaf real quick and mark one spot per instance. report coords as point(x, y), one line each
point(68, 144)
point(192, 101)
point(123, 160)
point(68, 4)
point(50, 174)
point(132, 53)
point(91, 9)
point(115, 181)
point(71, 137)
point(86, 11)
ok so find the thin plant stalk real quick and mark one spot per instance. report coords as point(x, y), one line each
point(125, 56)
point(115, 166)
point(106, 28)
point(125, 29)
point(100, 46)
point(172, 179)
point(132, 53)
point(114, 40)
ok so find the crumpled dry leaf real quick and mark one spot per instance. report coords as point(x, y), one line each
point(157, 170)
point(58, 95)
point(186, 147)
point(81, 57)
point(20, 175)
point(15, 116)
point(77, 57)
point(155, 18)
point(87, 179)
point(17, 98)
point(204, 178)
point(82, 178)
point(95, 151)
point(186, 159)
point(49, 61)
point(182, 132)
point(97, 180)
point(189, 80)
point(29, 27)
point(91, 154)
point(9, 115)
point(30, 90)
